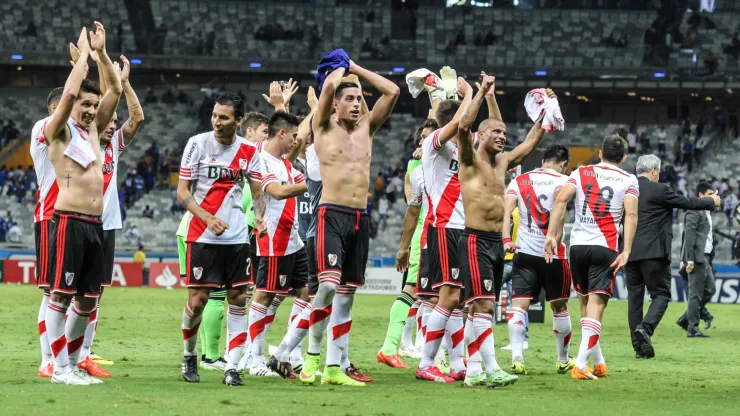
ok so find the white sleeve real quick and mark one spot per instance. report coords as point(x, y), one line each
point(190, 160)
point(512, 189)
point(634, 188)
point(313, 170)
point(416, 192)
point(255, 167)
point(574, 179)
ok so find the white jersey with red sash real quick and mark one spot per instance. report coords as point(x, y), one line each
point(109, 156)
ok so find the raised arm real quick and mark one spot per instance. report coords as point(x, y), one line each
point(674, 200)
point(71, 90)
point(389, 90)
point(110, 99)
point(533, 139)
point(275, 99)
point(304, 129)
point(630, 226)
point(464, 140)
point(557, 219)
point(493, 110)
point(135, 111)
point(326, 100)
point(448, 131)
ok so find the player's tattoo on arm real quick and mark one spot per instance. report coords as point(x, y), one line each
point(259, 206)
point(187, 201)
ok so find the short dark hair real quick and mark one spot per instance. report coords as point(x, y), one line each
point(429, 123)
point(342, 86)
point(90, 87)
point(446, 111)
point(556, 153)
point(703, 187)
point(614, 148)
point(281, 121)
point(54, 96)
point(234, 101)
point(254, 119)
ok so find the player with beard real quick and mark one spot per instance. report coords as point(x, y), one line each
point(76, 269)
point(213, 170)
point(343, 145)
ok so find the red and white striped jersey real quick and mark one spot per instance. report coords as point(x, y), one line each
point(218, 172)
point(109, 156)
point(535, 194)
point(281, 217)
point(600, 193)
point(46, 177)
point(440, 166)
point(419, 197)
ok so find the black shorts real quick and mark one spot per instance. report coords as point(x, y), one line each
point(76, 254)
point(217, 265)
point(253, 260)
point(342, 244)
point(444, 257)
point(41, 238)
point(483, 263)
point(278, 274)
point(313, 279)
point(530, 274)
point(423, 285)
point(592, 271)
point(109, 252)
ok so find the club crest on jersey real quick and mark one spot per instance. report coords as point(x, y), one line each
point(455, 273)
point(197, 272)
point(69, 278)
point(332, 259)
point(109, 151)
point(243, 164)
point(488, 284)
point(283, 279)
point(424, 282)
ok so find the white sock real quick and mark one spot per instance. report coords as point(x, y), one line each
point(408, 328)
point(436, 324)
point(474, 358)
point(562, 329)
point(55, 314)
point(75, 332)
point(340, 323)
point(257, 325)
point(46, 356)
point(590, 333)
point(319, 318)
point(517, 332)
point(454, 336)
point(295, 335)
point(420, 322)
point(236, 322)
point(482, 323)
point(345, 352)
point(92, 328)
point(190, 325)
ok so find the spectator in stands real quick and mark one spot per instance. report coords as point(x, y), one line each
point(394, 188)
point(3, 177)
point(632, 138)
point(724, 186)
point(490, 39)
point(699, 149)
point(710, 62)
point(150, 98)
point(138, 185)
point(140, 255)
point(14, 233)
point(735, 242)
point(370, 204)
point(148, 212)
point(460, 38)
point(30, 30)
point(730, 201)
point(169, 97)
point(10, 132)
point(379, 185)
point(4, 226)
point(176, 207)
point(700, 127)
point(133, 233)
point(616, 39)
point(661, 137)
point(688, 154)
point(383, 212)
point(160, 38)
point(210, 43)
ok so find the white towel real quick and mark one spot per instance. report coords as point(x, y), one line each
point(425, 80)
point(79, 148)
point(540, 107)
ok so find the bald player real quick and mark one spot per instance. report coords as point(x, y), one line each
point(343, 145)
point(482, 175)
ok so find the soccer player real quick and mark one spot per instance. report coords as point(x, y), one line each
point(283, 259)
point(482, 175)
point(533, 195)
point(604, 194)
point(408, 259)
point(45, 200)
point(214, 167)
point(76, 269)
point(343, 145)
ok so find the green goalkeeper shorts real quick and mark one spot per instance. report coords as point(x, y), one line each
point(415, 257)
point(182, 249)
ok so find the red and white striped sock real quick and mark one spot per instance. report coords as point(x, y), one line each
point(296, 309)
point(474, 358)
point(590, 334)
point(517, 332)
point(455, 335)
point(75, 332)
point(295, 353)
point(271, 311)
point(257, 325)
point(436, 324)
point(340, 323)
point(55, 316)
point(419, 342)
point(563, 331)
point(295, 335)
point(46, 356)
point(482, 323)
point(236, 322)
point(92, 328)
point(408, 328)
point(320, 312)
point(190, 325)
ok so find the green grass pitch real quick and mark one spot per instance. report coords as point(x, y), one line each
point(140, 331)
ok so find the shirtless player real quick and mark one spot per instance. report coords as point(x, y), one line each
point(482, 175)
point(343, 145)
point(76, 268)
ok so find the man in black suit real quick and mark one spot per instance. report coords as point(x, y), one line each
point(697, 254)
point(649, 263)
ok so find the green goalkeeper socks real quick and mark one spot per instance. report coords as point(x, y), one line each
point(211, 326)
point(399, 313)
